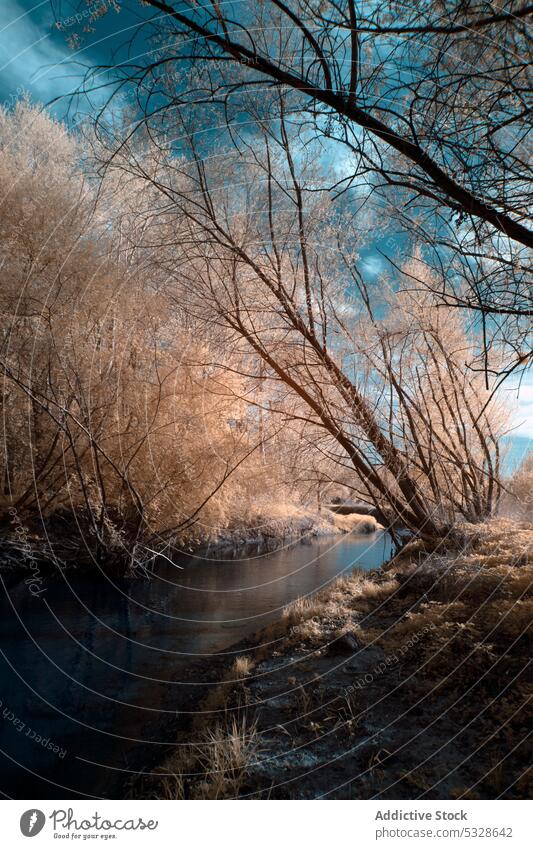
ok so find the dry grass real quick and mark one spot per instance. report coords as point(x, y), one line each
point(306, 621)
point(455, 622)
point(487, 584)
point(213, 767)
point(508, 619)
point(476, 603)
point(242, 667)
point(301, 610)
point(353, 523)
point(310, 632)
point(217, 698)
point(225, 756)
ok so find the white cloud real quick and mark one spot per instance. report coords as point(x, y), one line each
point(520, 398)
point(373, 265)
point(35, 62)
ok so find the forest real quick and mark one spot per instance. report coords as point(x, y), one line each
point(266, 280)
point(191, 351)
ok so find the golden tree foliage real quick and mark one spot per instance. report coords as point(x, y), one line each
point(114, 411)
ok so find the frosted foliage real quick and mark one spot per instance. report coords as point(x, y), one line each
point(113, 407)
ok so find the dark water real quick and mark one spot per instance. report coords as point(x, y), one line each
point(93, 670)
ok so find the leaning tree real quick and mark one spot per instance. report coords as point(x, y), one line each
point(429, 100)
point(251, 245)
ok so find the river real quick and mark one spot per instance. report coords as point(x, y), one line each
point(94, 669)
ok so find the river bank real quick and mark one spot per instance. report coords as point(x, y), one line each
point(60, 543)
point(113, 668)
point(406, 682)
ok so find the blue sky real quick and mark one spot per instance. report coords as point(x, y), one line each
point(35, 57)
point(521, 400)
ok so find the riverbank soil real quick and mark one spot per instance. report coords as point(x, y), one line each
point(409, 682)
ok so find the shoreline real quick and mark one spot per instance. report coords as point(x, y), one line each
point(383, 686)
point(35, 553)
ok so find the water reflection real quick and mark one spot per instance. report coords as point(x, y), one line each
point(95, 666)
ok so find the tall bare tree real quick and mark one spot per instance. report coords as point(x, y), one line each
point(120, 432)
point(429, 99)
point(250, 244)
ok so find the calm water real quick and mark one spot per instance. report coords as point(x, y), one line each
point(97, 667)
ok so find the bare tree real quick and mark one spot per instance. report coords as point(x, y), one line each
point(120, 432)
point(429, 99)
point(254, 247)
